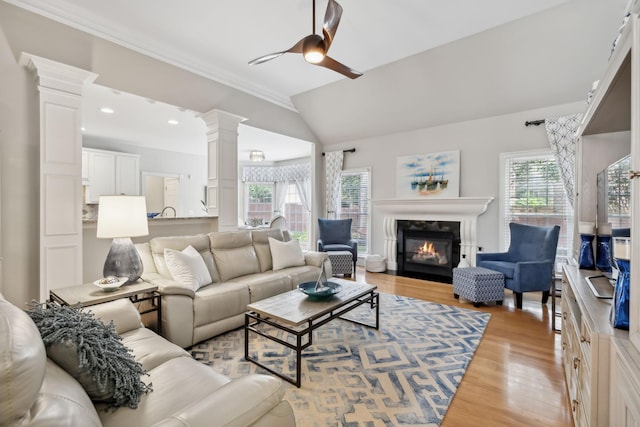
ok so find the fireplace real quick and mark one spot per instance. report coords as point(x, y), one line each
point(461, 210)
point(428, 249)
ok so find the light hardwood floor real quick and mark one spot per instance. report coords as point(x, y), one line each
point(515, 377)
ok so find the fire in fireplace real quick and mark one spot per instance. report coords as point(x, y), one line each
point(428, 249)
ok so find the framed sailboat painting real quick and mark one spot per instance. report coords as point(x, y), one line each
point(428, 175)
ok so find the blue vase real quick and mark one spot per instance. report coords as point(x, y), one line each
point(603, 253)
point(586, 252)
point(620, 306)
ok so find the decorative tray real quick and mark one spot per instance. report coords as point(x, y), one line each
point(329, 289)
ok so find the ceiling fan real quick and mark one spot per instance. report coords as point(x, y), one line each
point(314, 48)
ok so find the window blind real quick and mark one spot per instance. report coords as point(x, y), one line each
point(534, 194)
point(354, 204)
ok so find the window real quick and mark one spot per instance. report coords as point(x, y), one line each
point(260, 201)
point(355, 195)
point(297, 216)
point(533, 193)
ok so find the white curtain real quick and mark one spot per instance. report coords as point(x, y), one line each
point(280, 197)
point(304, 192)
point(561, 132)
point(333, 168)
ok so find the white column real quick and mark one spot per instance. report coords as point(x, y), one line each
point(60, 93)
point(222, 167)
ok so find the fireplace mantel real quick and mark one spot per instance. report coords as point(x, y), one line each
point(466, 210)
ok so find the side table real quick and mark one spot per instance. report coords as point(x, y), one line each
point(88, 295)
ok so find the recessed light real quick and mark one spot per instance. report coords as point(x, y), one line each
point(107, 110)
point(172, 121)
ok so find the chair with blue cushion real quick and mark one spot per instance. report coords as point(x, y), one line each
point(335, 235)
point(528, 265)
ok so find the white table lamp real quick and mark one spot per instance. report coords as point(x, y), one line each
point(120, 218)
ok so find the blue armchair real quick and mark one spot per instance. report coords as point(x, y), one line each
point(335, 235)
point(528, 264)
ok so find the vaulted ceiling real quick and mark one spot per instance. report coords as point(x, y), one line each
point(425, 62)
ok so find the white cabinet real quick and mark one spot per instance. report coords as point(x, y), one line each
point(613, 118)
point(110, 173)
point(128, 174)
point(586, 343)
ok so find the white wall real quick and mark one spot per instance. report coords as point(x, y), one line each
point(480, 143)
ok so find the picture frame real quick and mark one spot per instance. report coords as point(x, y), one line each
point(428, 175)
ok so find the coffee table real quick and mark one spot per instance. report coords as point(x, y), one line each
point(294, 313)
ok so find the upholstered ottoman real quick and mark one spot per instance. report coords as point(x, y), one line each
point(478, 284)
point(341, 262)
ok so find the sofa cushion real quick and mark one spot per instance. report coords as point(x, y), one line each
point(150, 349)
point(261, 245)
point(286, 254)
point(177, 383)
point(187, 267)
point(22, 362)
point(199, 241)
point(265, 285)
point(91, 352)
point(234, 254)
point(219, 301)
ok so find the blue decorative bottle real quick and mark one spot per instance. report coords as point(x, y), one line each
point(586, 252)
point(603, 253)
point(620, 306)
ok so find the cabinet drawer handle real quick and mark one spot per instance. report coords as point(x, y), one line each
point(574, 405)
point(564, 345)
point(576, 362)
point(564, 315)
point(584, 339)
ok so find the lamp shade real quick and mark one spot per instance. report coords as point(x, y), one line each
point(122, 216)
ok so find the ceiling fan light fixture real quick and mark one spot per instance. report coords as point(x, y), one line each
point(313, 49)
point(256, 155)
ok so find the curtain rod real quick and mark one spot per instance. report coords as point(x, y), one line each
point(350, 150)
point(534, 122)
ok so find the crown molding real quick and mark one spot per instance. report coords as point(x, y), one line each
point(74, 17)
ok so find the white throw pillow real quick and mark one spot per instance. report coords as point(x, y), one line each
point(187, 267)
point(285, 254)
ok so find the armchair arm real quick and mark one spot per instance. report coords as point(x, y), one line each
point(354, 248)
point(491, 256)
point(244, 401)
point(534, 275)
point(320, 246)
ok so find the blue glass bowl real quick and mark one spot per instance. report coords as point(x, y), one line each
point(152, 214)
point(309, 288)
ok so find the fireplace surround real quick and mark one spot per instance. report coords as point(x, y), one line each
point(464, 210)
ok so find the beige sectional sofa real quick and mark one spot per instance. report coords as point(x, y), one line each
point(240, 265)
point(35, 391)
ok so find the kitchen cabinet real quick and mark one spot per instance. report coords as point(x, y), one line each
point(109, 173)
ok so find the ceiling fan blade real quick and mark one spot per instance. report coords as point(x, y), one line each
point(296, 48)
point(266, 58)
point(331, 20)
point(334, 65)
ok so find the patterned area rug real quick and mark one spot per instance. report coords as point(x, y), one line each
point(406, 373)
